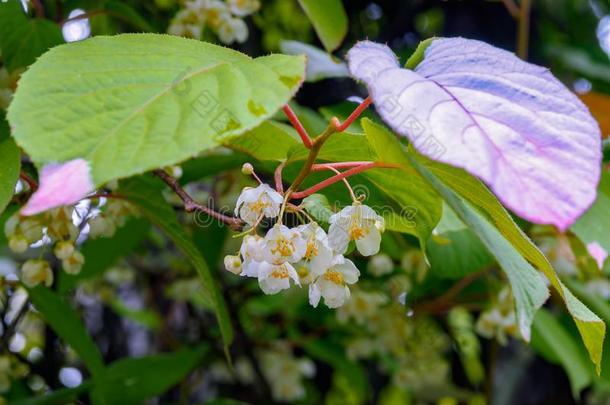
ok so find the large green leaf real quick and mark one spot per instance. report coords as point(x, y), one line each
point(527, 284)
point(405, 185)
point(132, 381)
point(549, 334)
point(11, 164)
point(23, 39)
point(130, 103)
point(329, 19)
point(145, 194)
point(591, 327)
point(58, 313)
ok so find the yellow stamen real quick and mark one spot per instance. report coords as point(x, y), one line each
point(312, 249)
point(283, 246)
point(334, 276)
point(356, 231)
point(280, 272)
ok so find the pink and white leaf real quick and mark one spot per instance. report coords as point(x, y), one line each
point(508, 122)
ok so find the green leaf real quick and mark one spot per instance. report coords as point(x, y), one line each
point(329, 19)
point(58, 313)
point(419, 53)
point(144, 317)
point(593, 226)
point(130, 103)
point(100, 254)
point(132, 381)
point(317, 205)
point(592, 329)
point(420, 205)
point(127, 13)
point(454, 250)
point(527, 285)
point(211, 164)
point(11, 164)
point(23, 39)
point(144, 192)
point(269, 141)
point(58, 397)
point(548, 332)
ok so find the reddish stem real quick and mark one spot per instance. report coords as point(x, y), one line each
point(338, 177)
point(343, 165)
point(294, 120)
point(339, 127)
point(279, 186)
point(29, 180)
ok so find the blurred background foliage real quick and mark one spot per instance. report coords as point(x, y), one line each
point(130, 323)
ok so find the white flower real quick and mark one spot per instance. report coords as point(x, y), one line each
point(233, 264)
point(216, 13)
point(318, 256)
point(242, 8)
point(283, 244)
point(380, 264)
point(332, 285)
point(231, 30)
point(273, 278)
point(256, 202)
point(359, 223)
point(251, 251)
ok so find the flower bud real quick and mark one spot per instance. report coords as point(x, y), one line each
point(74, 263)
point(380, 264)
point(247, 169)
point(64, 249)
point(34, 272)
point(10, 226)
point(31, 229)
point(233, 264)
point(18, 243)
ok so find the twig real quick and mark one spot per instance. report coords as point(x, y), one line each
point(29, 180)
point(39, 8)
point(294, 120)
point(339, 127)
point(523, 33)
point(191, 205)
point(279, 186)
point(512, 8)
point(445, 301)
point(339, 177)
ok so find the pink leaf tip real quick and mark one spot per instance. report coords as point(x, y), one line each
point(60, 184)
point(598, 253)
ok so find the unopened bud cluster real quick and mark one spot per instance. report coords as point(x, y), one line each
point(305, 254)
point(57, 228)
point(224, 18)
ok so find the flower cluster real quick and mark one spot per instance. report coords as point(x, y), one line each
point(60, 228)
point(224, 18)
point(500, 320)
point(305, 254)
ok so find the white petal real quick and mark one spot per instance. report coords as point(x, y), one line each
point(314, 295)
point(369, 244)
point(349, 271)
point(338, 237)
